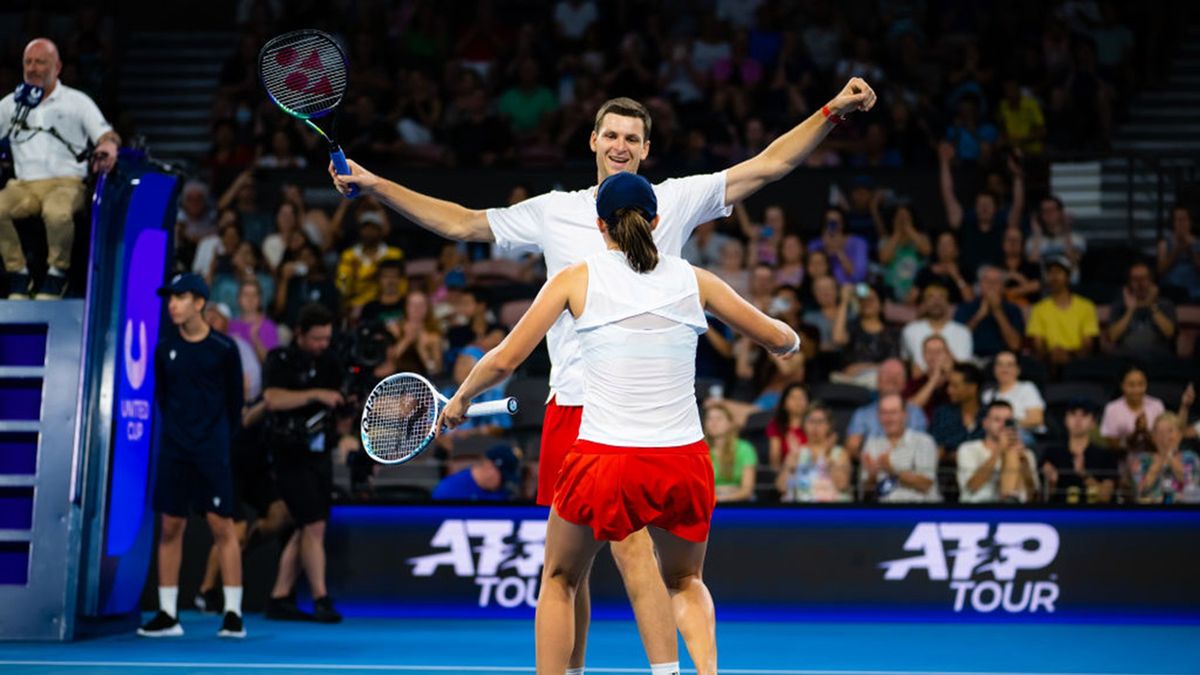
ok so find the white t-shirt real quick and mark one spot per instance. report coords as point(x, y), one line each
point(916, 451)
point(958, 338)
point(971, 455)
point(208, 248)
point(562, 225)
point(37, 154)
point(1023, 396)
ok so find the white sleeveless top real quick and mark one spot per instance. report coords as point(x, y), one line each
point(638, 336)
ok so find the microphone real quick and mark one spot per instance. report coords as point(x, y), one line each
point(26, 97)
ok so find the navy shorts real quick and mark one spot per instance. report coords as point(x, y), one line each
point(306, 486)
point(184, 485)
point(254, 481)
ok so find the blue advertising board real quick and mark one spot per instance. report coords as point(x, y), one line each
point(869, 563)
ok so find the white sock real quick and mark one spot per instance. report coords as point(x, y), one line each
point(671, 668)
point(168, 600)
point(23, 270)
point(55, 272)
point(233, 599)
point(574, 671)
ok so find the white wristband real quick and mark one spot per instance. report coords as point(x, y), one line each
point(795, 345)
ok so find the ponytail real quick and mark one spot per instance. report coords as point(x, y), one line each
point(631, 233)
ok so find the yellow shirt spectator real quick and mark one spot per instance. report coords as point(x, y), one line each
point(357, 272)
point(1019, 121)
point(1063, 328)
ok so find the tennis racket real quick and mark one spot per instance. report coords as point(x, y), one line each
point(304, 73)
point(400, 416)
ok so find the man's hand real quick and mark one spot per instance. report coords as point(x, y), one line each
point(833, 241)
point(328, 397)
point(1151, 298)
point(365, 180)
point(104, 157)
point(856, 95)
point(1130, 300)
point(884, 463)
point(945, 152)
point(1014, 164)
point(994, 301)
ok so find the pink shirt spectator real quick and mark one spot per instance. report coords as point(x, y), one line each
point(267, 332)
point(1119, 420)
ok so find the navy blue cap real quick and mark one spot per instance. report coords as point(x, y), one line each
point(506, 462)
point(185, 283)
point(625, 190)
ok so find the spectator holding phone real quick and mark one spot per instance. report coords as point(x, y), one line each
point(998, 468)
point(848, 260)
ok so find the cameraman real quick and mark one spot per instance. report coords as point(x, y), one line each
point(50, 143)
point(301, 389)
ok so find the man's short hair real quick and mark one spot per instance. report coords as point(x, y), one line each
point(970, 372)
point(313, 315)
point(987, 410)
point(391, 264)
point(1054, 198)
point(625, 107)
point(935, 337)
point(1140, 262)
point(478, 293)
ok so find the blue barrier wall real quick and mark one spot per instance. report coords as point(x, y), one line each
point(130, 247)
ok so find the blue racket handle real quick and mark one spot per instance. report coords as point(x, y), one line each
point(343, 169)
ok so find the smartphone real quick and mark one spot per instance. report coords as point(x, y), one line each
point(861, 289)
point(1010, 423)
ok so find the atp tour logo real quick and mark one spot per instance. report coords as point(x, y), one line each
point(503, 557)
point(978, 553)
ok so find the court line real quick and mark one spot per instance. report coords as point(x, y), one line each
point(495, 669)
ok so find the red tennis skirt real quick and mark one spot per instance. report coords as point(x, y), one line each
point(617, 491)
point(560, 428)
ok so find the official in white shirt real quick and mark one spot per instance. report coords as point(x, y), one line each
point(46, 145)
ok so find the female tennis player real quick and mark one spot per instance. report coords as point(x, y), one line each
point(640, 459)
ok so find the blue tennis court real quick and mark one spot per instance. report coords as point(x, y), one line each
point(504, 646)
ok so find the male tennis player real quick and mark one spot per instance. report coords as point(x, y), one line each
point(199, 391)
point(640, 459)
point(562, 226)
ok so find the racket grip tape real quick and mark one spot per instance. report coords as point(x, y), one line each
point(339, 165)
point(505, 406)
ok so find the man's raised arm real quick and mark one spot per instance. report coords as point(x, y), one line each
point(450, 220)
point(789, 150)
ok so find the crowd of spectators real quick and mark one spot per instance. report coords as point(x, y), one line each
point(494, 83)
point(955, 363)
point(939, 363)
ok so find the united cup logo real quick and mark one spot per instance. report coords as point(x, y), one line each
point(135, 368)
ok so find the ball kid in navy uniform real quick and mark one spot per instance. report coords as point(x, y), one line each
point(199, 397)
